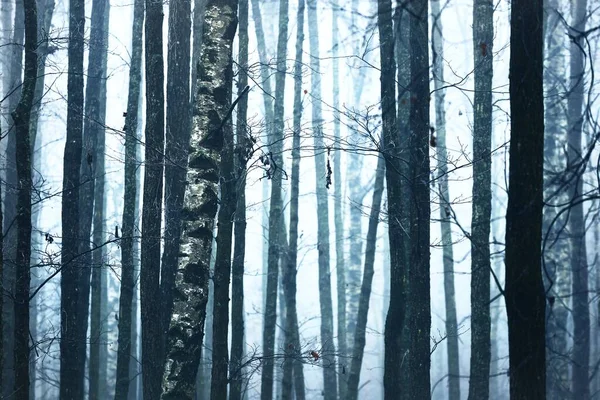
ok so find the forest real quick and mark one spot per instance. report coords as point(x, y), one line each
point(225, 199)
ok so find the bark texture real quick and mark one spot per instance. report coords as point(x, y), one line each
point(483, 36)
point(210, 114)
point(21, 117)
point(524, 291)
point(71, 371)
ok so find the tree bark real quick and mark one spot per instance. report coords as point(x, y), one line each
point(130, 199)
point(242, 151)
point(293, 372)
point(365, 293)
point(152, 201)
point(275, 173)
point(445, 203)
point(213, 104)
point(524, 291)
point(176, 151)
point(418, 273)
point(92, 175)
point(21, 117)
point(483, 36)
point(326, 306)
point(71, 371)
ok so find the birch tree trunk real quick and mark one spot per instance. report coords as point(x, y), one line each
point(211, 112)
point(130, 199)
point(326, 306)
point(483, 36)
point(71, 371)
point(524, 291)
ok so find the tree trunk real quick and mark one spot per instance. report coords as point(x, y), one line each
point(275, 173)
point(418, 273)
point(365, 293)
point(21, 117)
point(126, 352)
point(71, 364)
point(577, 225)
point(293, 372)
point(211, 112)
point(12, 87)
point(152, 201)
point(524, 291)
point(92, 171)
point(445, 202)
point(556, 247)
point(176, 151)
point(326, 307)
point(242, 150)
point(395, 339)
point(483, 36)
point(340, 268)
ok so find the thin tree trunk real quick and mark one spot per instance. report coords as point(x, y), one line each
point(92, 170)
point(12, 87)
point(213, 104)
point(340, 269)
point(524, 291)
point(445, 216)
point(326, 306)
point(130, 198)
point(243, 149)
point(483, 36)
point(176, 151)
point(71, 365)
point(577, 225)
point(1, 276)
point(21, 117)
point(275, 173)
point(293, 372)
point(365, 293)
point(418, 273)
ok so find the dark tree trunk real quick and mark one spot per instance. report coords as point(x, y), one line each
point(325, 300)
point(483, 36)
point(176, 151)
point(524, 291)
point(275, 173)
point(152, 202)
point(71, 365)
point(92, 171)
point(365, 293)
point(418, 273)
point(21, 117)
point(130, 199)
point(445, 202)
point(394, 340)
point(12, 87)
point(293, 372)
point(211, 113)
point(242, 149)
point(577, 225)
